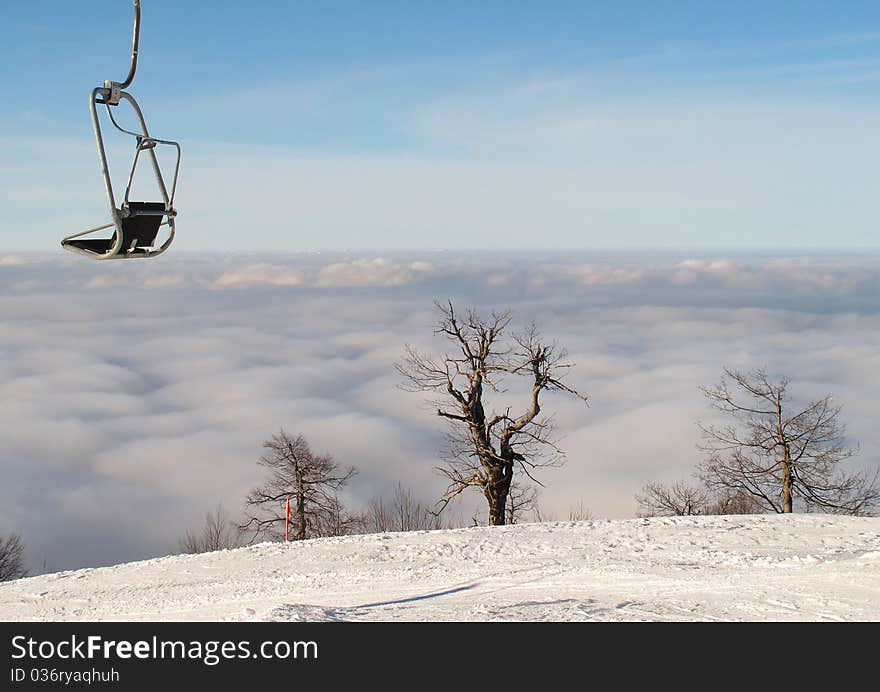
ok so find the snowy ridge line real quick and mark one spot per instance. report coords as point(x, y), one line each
point(758, 567)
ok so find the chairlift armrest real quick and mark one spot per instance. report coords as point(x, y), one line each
point(91, 230)
point(147, 212)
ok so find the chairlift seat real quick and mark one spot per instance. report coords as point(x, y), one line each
point(139, 231)
point(135, 225)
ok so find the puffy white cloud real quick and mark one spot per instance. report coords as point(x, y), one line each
point(263, 273)
point(164, 281)
point(378, 271)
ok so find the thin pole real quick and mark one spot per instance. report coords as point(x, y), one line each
point(135, 35)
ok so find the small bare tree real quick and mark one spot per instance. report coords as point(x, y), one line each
point(485, 449)
point(218, 532)
point(684, 499)
point(12, 558)
point(310, 481)
point(781, 457)
point(521, 500)
point(403, 513)
point(379, 517)
point(337, 520)
point(735, 502)
point(676, 500)
point(580, 512)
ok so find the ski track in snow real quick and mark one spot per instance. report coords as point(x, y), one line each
point(796, 567)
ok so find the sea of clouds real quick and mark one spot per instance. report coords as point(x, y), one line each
point(134, 396)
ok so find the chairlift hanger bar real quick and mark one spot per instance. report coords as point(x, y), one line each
point(116, 87)
point(135, 37)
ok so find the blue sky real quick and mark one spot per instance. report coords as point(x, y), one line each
point(434, 125)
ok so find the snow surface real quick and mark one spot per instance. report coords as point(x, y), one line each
point(796, 567)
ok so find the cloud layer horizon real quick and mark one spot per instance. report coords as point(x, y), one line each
point(135, 396)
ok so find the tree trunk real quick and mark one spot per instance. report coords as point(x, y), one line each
point(497, 509)
point(786, 488)
point(300, 508)
point(496, 491)
point(786, 458)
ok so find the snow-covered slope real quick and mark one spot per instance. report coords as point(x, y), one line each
point(810, 567)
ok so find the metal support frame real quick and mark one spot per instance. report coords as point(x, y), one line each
point(111, 95)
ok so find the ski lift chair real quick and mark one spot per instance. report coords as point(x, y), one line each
point(135, 224)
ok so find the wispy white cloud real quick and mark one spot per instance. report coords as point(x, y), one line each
point(544, 163)
point(12, 260)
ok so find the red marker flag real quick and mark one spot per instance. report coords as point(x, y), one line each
point(286, 519)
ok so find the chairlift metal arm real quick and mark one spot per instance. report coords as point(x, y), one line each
point(141, 138)
point(144, 134)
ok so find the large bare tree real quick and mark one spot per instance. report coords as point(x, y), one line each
point(487, 445)
point(12, 558)
point(311, 482)
point(785, 456)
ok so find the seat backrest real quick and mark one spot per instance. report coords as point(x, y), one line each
point(141, 230)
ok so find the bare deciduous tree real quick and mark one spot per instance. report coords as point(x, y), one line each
point(337, 520)
point(580, 512)
point(12, 558)
point(684, 499)
point(485, 449)
point(676, 500)
point(379, 517)
point(735, 502)
point(521, 500)
point(783, 458)
point(311, 482)
point(403, 513)
point(218, 532)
